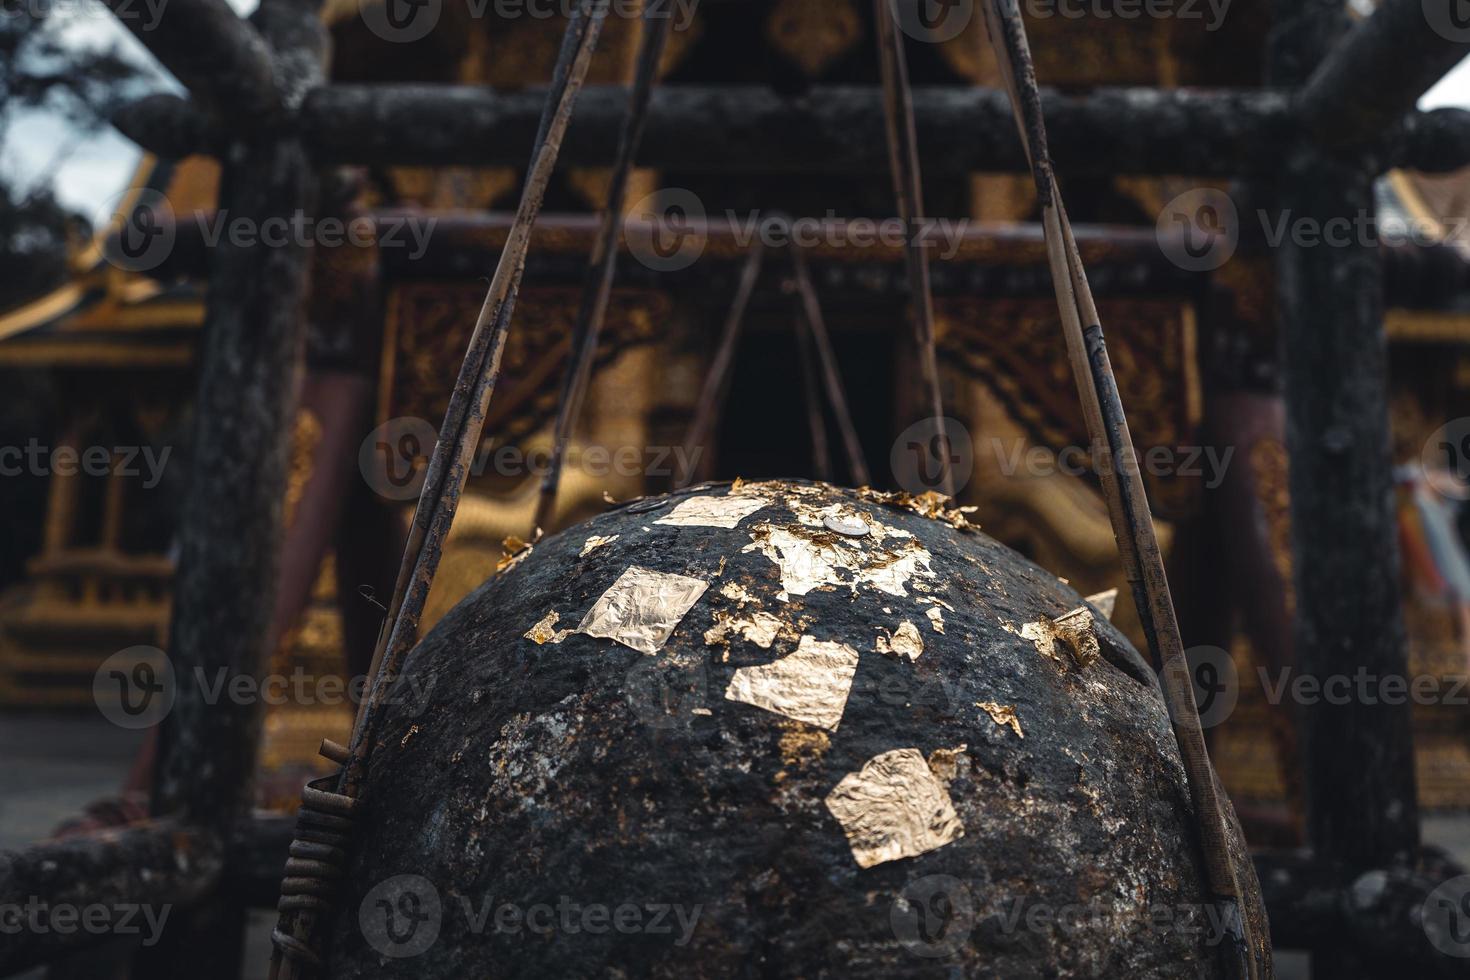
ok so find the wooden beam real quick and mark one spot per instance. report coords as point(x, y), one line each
point(220, 58)
point(1437, 141)
point(1377, 72)
point(829, 130)
point(50, 892)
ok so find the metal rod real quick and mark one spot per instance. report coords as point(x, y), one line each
point(598, 286)
point(903, 154)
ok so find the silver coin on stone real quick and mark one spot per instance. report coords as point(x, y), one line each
point(849, 527)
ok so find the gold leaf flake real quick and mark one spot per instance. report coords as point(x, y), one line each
point(595, 542)
point(1003, 715)
point(894, 808)
point(736, 592)
point(726, 512)
point(810, 685)
point(760, 629)
point(800, 743)
point(929, 504)
point(1074, 631)
point(546, 632)
point(903, 642)
point(811, 558)
point(516, 551)
point(1078, 633)
point(936, 618)
point(943, 763)
point(1105, 602)
point(642, 608)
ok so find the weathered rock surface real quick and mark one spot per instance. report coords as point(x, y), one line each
point(577, 808)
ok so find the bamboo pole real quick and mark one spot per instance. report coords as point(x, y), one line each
point(454, 452)
point(903, 158)
point(1122, 481)
point(598, 286)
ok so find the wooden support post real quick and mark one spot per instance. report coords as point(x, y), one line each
point(231, 523)
point(1358, 752)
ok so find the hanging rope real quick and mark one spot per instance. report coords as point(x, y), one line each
point(903, 158)
point(598, 286)
point(1121, 479)
point(449, 465)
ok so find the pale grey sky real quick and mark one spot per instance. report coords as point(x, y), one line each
point(98, 168)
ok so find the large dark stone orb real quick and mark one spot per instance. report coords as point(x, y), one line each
point(994, 800)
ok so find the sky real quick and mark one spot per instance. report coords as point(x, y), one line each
point(97, 169)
